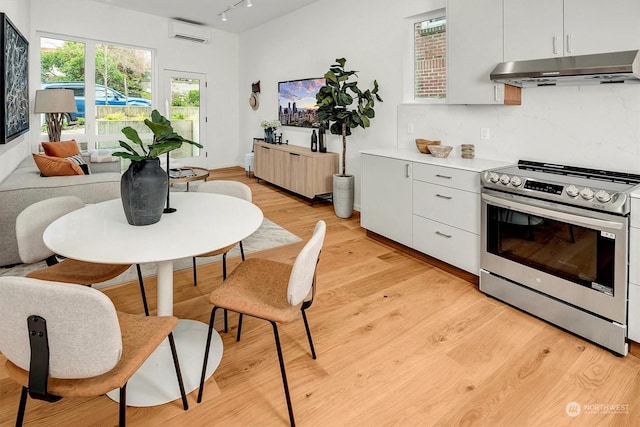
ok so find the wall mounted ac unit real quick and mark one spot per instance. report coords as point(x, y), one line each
point(185, 31)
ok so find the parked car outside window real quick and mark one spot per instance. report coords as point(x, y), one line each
point(104, 96)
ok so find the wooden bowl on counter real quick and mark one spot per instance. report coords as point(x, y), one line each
point(423, 145)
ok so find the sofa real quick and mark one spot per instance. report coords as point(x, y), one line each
point(25, 186)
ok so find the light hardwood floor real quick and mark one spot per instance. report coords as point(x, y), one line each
point(399, 342)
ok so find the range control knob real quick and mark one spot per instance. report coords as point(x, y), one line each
point(504, 179)
point(494, 177)
point(516, 181)
point(586, 193)
point(603, 196)
point(572, 191)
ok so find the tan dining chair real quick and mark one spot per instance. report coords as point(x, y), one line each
point(228, 188)
point(63, 340)
point(30, 226)
point(273, 291)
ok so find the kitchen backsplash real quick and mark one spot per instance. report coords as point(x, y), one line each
point(592, 126)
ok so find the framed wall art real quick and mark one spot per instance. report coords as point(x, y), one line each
point(14, 81)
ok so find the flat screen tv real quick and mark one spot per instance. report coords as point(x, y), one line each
point(297, 102)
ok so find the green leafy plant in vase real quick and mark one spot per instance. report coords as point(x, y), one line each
point(345, 106)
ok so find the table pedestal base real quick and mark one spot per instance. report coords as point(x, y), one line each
point(155, 382)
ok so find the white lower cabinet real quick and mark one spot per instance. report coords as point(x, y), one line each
point(446, 243)
point(633, 308)
point(458, 208)
point(431, 208)
point(385, 197)
point(446, 215)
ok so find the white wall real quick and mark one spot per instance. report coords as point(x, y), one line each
point(591, 126)
point(11, 154)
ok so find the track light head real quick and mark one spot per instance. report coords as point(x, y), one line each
point(223, 17)
point(249, 4)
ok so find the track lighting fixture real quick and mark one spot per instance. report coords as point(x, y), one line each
point(223, 14)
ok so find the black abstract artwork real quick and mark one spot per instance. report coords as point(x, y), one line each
point(15, 81)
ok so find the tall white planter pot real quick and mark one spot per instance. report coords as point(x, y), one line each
point(343, 188)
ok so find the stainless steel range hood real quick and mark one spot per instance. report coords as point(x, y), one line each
point(601, 68)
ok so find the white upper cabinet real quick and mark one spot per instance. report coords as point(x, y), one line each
point(594, 26)
point(548, 28)
point(474, 47)
point(532, 30)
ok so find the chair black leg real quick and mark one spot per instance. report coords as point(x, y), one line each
point(206, 353)
point(306, 326)
point(239, 327)
point(142, 292)
point(241, 250)
point(22, 406)
point(123, 406)
point(224, 277)
point(195, 273)
point(174, 353)
point(224, 266)
point(284, 373)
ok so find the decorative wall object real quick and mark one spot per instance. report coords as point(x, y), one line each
point(14, 81)
point(254, 101)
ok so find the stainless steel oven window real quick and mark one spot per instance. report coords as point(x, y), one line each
point(575, 253)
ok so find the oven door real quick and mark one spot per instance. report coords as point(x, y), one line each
point(574, 255)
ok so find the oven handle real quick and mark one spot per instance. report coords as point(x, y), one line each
point(569, 218)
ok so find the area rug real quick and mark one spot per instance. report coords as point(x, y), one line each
point(269, 235)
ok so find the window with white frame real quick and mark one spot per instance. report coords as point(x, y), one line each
point(430, 57)
point(112, 86)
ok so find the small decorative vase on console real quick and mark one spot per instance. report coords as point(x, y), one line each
point(143, 189)
point(268, 136)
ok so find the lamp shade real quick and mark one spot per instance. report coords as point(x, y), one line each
point(55, 101)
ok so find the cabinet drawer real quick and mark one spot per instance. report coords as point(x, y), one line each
point(634, 255)
point(633, 327)
point(635, 212)
point(450, 177)
point(447, 205)
point(449, 244)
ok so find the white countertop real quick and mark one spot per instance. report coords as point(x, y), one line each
point(474, 165)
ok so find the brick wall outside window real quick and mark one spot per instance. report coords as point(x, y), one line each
point(430, 63)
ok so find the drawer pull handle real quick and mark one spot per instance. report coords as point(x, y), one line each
point(294, 154)
point(448, 236)
point(444, 197)
point(443, 176)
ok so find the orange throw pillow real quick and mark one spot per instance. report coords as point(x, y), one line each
point(56, 166)
point(61, 148)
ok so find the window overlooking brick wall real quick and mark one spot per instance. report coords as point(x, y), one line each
point(430, 56)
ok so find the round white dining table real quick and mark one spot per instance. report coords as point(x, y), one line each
point(203, 222)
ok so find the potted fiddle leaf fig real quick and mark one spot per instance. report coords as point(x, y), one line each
point(345, 106)
point(145, 185)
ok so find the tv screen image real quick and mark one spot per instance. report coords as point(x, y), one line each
point(297, 102)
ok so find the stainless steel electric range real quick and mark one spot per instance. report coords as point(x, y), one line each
point(555, 243)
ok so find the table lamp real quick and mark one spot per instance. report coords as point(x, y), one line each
point(55, 103)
